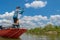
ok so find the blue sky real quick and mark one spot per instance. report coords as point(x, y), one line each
point(52, 7)
point(36, 12)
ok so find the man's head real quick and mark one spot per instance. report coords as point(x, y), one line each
point(17, 8)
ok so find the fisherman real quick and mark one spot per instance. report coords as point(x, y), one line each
point(15, 16)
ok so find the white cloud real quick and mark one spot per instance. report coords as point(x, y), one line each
point(29, 21)
point(55, 19)
point(27, 5)
point(7, 15)
point(36, 4)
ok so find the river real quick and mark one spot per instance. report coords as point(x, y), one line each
point(34, 37)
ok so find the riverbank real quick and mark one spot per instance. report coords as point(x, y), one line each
point(47, 30)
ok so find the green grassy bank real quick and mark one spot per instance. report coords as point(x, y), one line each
point(48, 29)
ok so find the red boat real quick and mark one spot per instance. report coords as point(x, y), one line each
point(12, 32)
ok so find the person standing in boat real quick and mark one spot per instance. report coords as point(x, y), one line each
point(15, 16)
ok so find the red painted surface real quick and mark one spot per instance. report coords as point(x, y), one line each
point(12, 33)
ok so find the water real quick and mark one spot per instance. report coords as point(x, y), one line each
point(34, 37)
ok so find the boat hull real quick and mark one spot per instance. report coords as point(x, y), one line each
point(12, 32)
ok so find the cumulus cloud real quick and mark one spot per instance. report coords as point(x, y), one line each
point(39, 20)
point(7, 15)
point(36, 4)
point(29, 21)
point(55, 19)
point(6, 18)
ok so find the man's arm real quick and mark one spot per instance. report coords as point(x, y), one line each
point(21, 12)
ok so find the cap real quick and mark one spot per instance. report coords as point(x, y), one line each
point(18, 7)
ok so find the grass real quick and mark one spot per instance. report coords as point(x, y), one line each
point(48, 29)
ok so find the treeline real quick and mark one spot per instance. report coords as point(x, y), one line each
point(48, 29)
